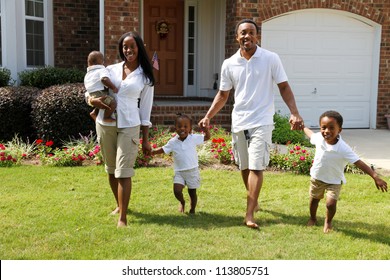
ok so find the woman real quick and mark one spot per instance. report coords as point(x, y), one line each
point(119, 140)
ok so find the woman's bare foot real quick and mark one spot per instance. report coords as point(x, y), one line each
point(312, 222)
point(327, 227)
point(251, 224)
point(115, 211)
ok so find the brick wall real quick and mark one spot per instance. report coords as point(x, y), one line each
point(120, 17)
point(76, 32)
point(376, 10)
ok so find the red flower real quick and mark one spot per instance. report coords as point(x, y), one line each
point(39, 141)
point(49, 143)
point(302, 158)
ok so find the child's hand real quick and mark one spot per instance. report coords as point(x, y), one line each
point(381, 184)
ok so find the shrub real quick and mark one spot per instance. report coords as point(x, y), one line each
point(60, 113)
point(7, 157)
point(282, 134)
point(221, 146)
point(5, 77)
point(49, 76)
point(298, 159)
point(15, 111)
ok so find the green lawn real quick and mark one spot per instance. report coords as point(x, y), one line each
point(63, 213)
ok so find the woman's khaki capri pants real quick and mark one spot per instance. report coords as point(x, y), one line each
point(119, 148)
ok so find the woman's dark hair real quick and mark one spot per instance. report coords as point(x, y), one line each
point(143, 58)
point(246, 20)
point(333, 114)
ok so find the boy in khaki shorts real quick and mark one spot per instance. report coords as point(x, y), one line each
point(327, 173)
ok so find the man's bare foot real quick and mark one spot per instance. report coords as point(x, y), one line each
point(115, 211)
point(181, 207)
point(327, 227)
point(311, 222)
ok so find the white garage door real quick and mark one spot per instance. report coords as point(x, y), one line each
point(328, 57)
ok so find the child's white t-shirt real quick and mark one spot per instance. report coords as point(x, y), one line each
point(330, 160)
point(185, 156)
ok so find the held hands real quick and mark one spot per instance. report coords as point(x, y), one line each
point(204, 123)
point(296, 122)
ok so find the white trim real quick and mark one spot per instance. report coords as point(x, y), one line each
point(191, 90)
point(101, 26)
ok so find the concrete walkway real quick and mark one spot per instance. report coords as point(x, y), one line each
point(372, 145)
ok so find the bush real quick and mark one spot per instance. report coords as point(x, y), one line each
point(282, 134)
point(298, 159)
point(5, 77)
point(49, 76)
point(15, 110)
point(60, 113)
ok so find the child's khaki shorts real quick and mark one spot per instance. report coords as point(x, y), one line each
point(318, 188)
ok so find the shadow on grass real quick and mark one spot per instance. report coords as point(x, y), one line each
point(199, 220)
point(373, 232)
point(282, 218)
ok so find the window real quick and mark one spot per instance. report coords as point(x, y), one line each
point(35, 35)
point(191, 46)
point(1, 46)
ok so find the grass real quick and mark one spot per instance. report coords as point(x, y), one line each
point(63, 213)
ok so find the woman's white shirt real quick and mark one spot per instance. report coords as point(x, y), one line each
point(134, 98)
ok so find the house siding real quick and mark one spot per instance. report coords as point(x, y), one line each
point(375, 10)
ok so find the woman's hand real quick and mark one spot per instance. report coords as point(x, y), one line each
point(98, 102)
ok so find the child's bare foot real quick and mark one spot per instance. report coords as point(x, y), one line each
point(312, 222)
point(108, 120)
point(181, 207)
point(327, 227)
point(93, 115)
point(121, 224)
point(115, 211)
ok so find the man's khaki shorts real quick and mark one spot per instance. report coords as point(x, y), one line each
point(318, 188)
point(251, 147)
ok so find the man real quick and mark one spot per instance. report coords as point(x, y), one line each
point(251, 71)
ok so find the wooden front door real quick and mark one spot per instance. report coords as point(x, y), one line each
point(164, 32)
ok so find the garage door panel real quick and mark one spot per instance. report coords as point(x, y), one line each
point(328, 57)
